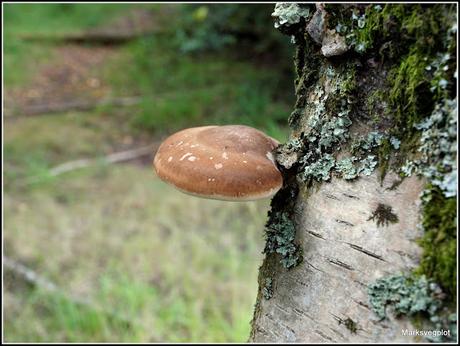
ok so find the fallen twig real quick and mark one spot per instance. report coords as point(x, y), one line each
point(82, 163)
point(29, 275)
point(20, 112)
point(96, 38)
point(75, 105)
point(35, 279)
point(130, 26)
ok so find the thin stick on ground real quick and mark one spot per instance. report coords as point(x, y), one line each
point(29, 275)
point(21, 112)
point(38, 281)
point(74, 105)
point(121, 156)
point(95, 38)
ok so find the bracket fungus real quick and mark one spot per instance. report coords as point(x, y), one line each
point(232, 162)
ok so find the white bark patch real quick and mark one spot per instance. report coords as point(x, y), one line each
point(244, 161)
point(218, 166)
point(344, 251)
point(179, 143)
point(170, 159)
point(225, 156)
point(184, 156)
point(211, 158)
point(192, 158)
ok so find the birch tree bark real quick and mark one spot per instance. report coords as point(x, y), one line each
point(361, 240)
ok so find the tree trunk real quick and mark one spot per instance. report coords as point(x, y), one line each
point(361, 240)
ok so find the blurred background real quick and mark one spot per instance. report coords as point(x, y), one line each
point(96, 248)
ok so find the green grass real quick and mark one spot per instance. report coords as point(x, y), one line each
point(34, 145)
point(177, 268)
point(61, 18)
point(21, 58)
point(191, 90)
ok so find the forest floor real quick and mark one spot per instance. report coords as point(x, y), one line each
point(115, 254)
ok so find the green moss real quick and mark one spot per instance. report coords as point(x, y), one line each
point(409, 100)
point(439, 242)
point(437, 162)
point(375, 27)
point(372, 101)
point(371, 25)
point(409, 96)
point(414, 46)
point(421, 72)
point(307, 73)
point(388, 30)
point(384, 154)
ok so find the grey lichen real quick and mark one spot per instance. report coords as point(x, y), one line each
point(267, 289)
point(365, 144)
point(438, 149)
point(346, 168)
point(280, 235)
point(404, 294)
point(289, 13)
point(367, 165)
point(364, 149)
point(334, 130)
point(410, 296)
point(319, 169)
point(395, 142)
point(326, 130)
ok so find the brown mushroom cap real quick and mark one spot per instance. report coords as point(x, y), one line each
point(232, 162)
